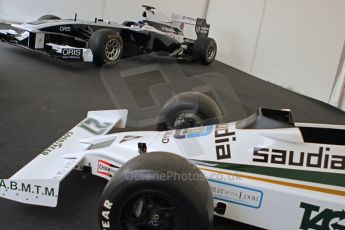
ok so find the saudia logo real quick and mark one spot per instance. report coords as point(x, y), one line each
point(222, 141)
point(314, 218)
point(321, 159)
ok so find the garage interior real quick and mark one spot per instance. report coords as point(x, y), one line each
point(257, 65)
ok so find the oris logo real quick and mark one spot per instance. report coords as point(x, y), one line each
point(71, 52)
point(65, 28)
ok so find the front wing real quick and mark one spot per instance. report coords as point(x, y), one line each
point(38, 182)
point(36, 41)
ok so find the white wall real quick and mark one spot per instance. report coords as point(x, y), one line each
point(301, 44)
point(293, 43)
point(28, 10)
point(235, 25)
point(115, 10)
point(119, 10)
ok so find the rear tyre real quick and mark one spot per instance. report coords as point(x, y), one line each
point(49, 17)
point(205, 50)
point(151, 192)
point(188, 110)
point(106, 46)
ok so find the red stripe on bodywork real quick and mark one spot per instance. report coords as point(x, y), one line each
point(104, 162)
point(104, 173)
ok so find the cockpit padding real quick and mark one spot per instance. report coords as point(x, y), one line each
point(267, 119)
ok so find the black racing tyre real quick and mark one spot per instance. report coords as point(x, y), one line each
point(188, 110)
point(106, 46)
point(49, 17)
point(205, 50)
point(154, 191)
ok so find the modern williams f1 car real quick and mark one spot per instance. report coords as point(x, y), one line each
point(105, 43)
point(265, 170)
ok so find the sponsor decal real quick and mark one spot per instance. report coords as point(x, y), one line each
point(202, 30)
point(39, 41)
point(193, 132)
point(94, 126)
point(315, 218)
point(321, 159)
point(72, 53)
point(65, 29)
point(254, 172)
point(57, 144)
point(113, 36)
point(222, 141)
point(184, 19)
point(188, 20)
point(65, 169)
point(236, 194)
point(129, 138)
point(201, 27)
point(27, 188)
point(105, 214)
point(167, 29)
point(105, 168)
point(166, 136)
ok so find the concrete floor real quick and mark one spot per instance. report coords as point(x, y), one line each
point(42, 98)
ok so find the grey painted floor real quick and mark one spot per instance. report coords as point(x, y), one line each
point(42, 98)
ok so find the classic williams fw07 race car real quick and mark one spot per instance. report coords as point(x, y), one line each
point(105, 43)
point(264, 170)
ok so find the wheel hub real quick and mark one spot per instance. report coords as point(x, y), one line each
point(155, 219)
point(113, 49)
point(211, 52)
point(151, 213)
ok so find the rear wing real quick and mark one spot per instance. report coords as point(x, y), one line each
point(38, 182)
point(202, 29)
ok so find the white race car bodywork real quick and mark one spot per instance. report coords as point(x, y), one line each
point(269, 178)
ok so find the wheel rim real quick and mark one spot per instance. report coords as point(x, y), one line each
point(211, 51)
point(187, 120)
point(151, 212)
point(113, 49)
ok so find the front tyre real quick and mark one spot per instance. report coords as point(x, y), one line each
point(205, 50)
point(106, 46)
point(157, 191)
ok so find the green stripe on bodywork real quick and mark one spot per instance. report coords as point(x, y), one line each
point(335, 179)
